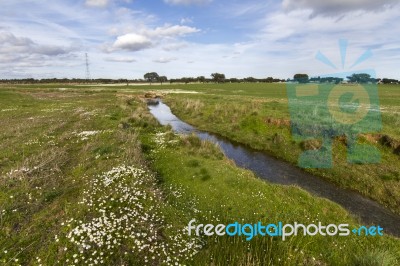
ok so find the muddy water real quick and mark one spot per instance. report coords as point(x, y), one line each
point(276, 171)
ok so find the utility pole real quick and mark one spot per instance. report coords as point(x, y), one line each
point(87, 68)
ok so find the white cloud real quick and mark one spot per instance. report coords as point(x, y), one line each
point(298, 24)
point(175, 46)
point(274, 42)
point(336, 6)
point(97, 3)
point(164, 60)
point(120, 59)
point(170, 31)
point(187, 2)
point(132, 42)
point(9, 43)
point(186, 21)
point(292, 40)
point(9, 38)
point(146, 38)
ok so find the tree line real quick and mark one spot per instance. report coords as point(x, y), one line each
point(154, 77)
point(150, 77)
point(354, 78)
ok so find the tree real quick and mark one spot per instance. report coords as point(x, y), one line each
point(162, 79)
point(389, 81)
point(250, 79)
point(201, 79)
point(269, 80)
point(151, 77)
point(360, 78)
point(301, 78)
point(218, 77)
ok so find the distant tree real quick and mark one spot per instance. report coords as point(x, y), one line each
point(269, 80)
point(334, 80)
point(218, 77)
point(389, 81)
point(185, 80)
point(360, 78)
point(162, 79)
point(151, 77)
point(250, 79)
point(201, 79)
point(301, 78)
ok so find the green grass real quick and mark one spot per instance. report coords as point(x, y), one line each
point(258, 116)
point(69, 158)
point(229, 194)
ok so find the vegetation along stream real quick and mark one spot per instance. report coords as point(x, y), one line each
point(276, 171)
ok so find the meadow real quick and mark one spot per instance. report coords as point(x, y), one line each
point(89, 177)
point(258, 115)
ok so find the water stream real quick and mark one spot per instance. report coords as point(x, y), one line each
point(277, 171)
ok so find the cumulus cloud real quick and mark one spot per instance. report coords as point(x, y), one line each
point(288, 28)
point(336, 6)
point(147, 38)
point(132, 42)
point(97, 3)
point(23, 57)
point(51, 50)
point(9, 38)
point(171, 31)
point(187, 2)
point(9, 43)
point(164, 60)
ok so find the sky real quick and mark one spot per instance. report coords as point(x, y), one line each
point(190, 38)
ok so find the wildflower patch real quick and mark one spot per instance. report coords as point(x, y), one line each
point(126, 219)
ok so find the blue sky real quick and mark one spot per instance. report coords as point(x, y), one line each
point(127, 38)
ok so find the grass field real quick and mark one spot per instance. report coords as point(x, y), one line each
point(88, 177)
point(257, 115)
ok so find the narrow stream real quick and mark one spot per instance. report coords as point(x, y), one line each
point(276, 171)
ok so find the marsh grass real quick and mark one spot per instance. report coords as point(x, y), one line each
point(231, 194)
point(67, 166)
point(256, 117)
point(53, 143)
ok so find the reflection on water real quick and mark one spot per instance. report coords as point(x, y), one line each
point(276, 171)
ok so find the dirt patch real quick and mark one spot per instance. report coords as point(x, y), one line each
point(390, 142)
point(342, 139)
point(373, 138)
point(153, 94)
point(280, 122)
point(311, 144)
